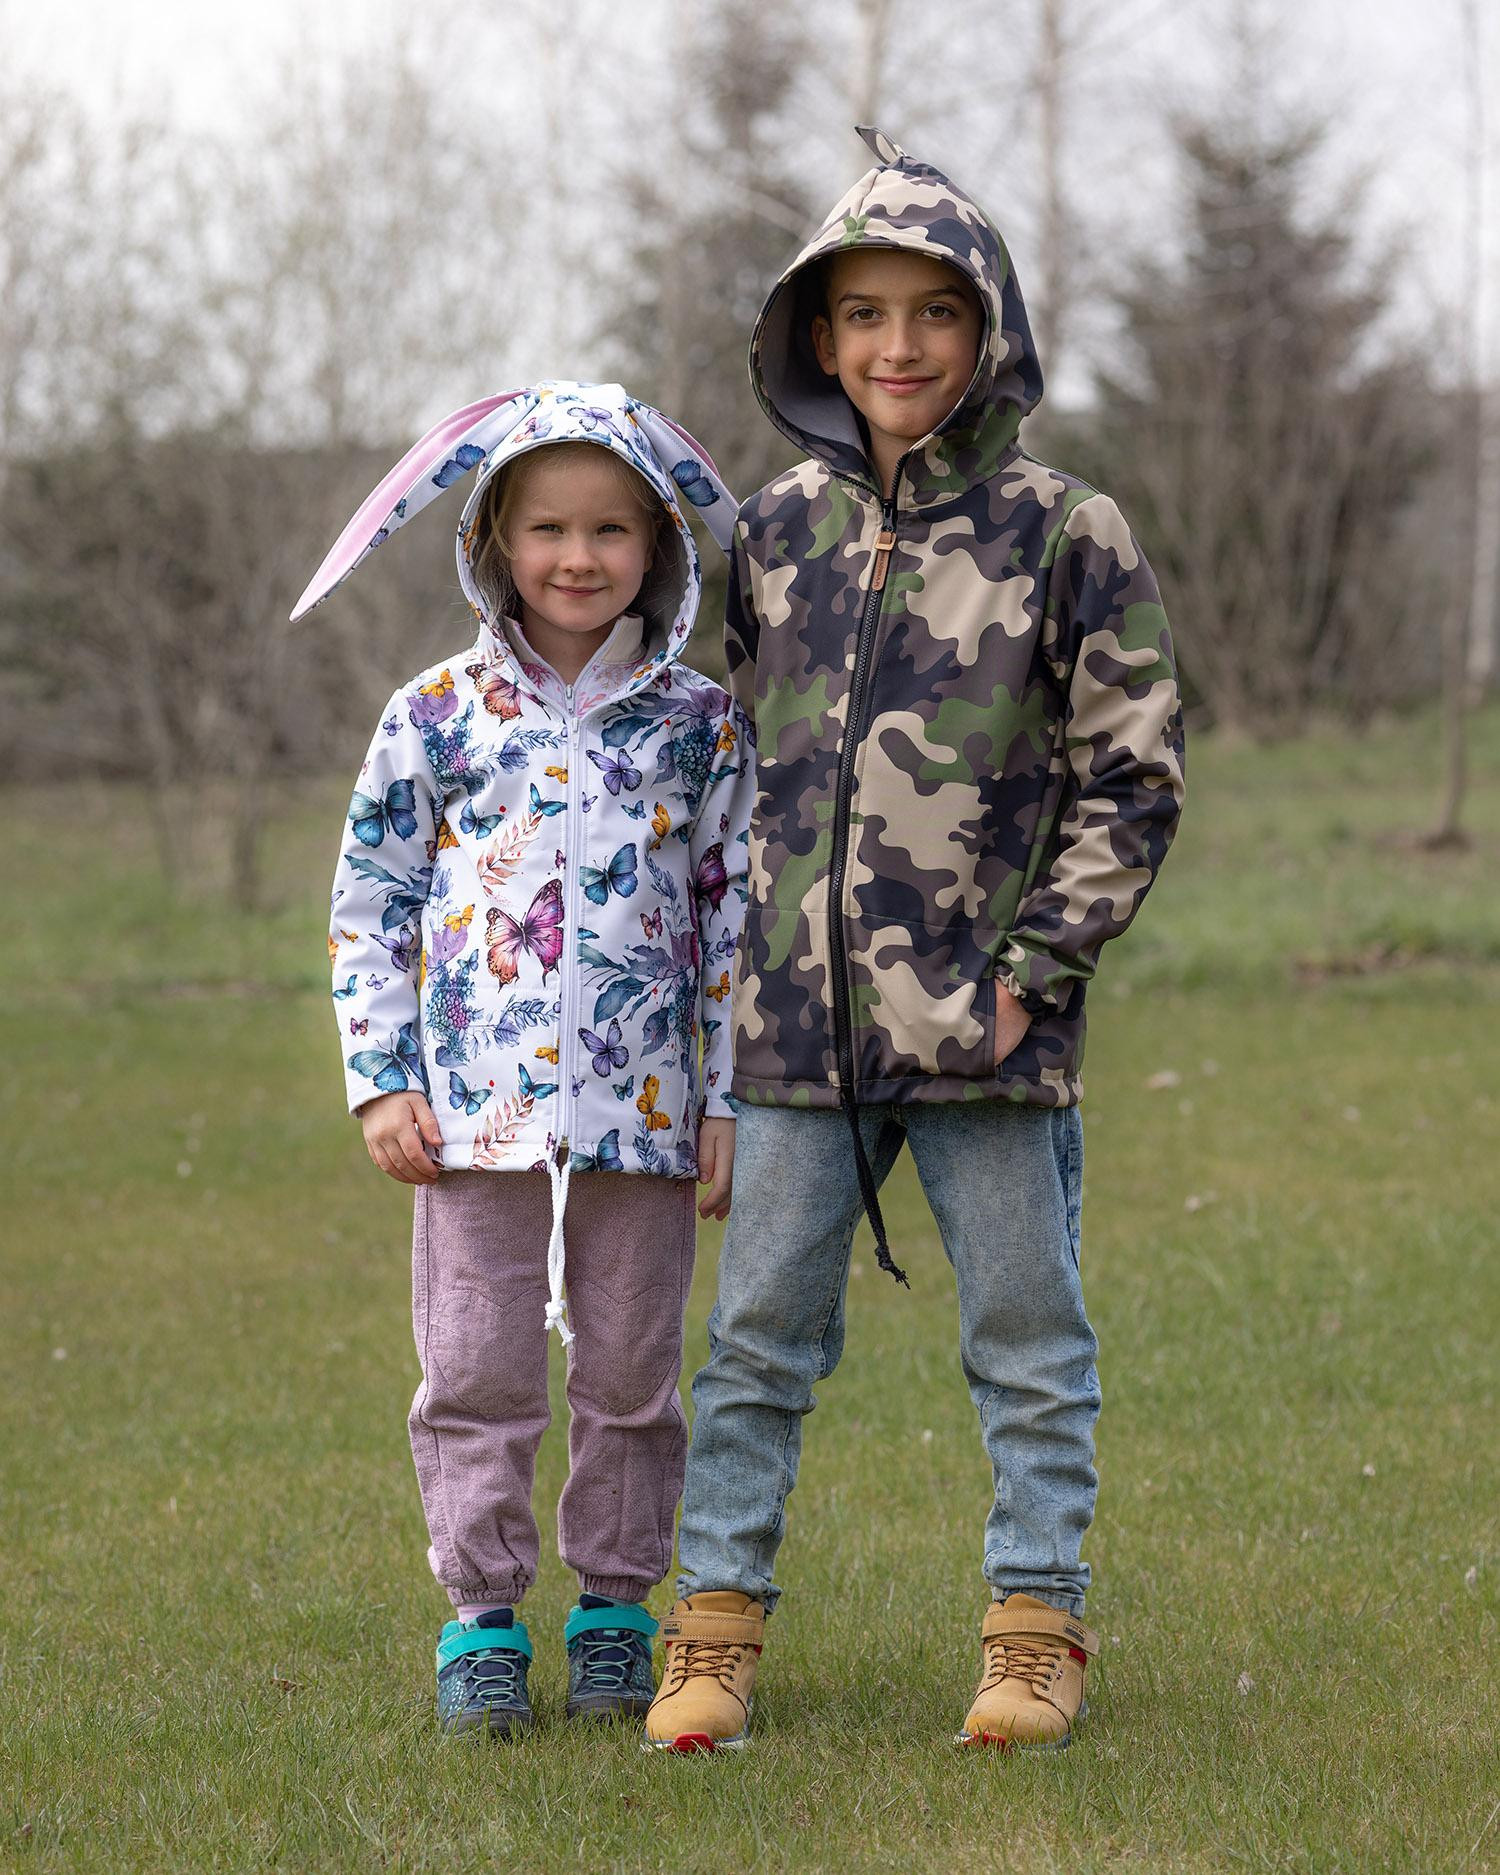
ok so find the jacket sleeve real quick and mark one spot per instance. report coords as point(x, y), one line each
point(719, 849)
point(741, 626)
point(1123, 747)
point(375, 931)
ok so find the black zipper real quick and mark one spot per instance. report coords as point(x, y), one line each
point(843, 1028)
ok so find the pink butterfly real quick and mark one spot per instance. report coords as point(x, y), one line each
point(652, 925)
point(539, 932)
point(711, 881)
point(498, 691)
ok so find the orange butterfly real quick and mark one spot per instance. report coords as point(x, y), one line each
point(547, 1054)
point(720, 989)
point(446, 835)
point(460, 920)
point(646, 1101)
point(559, 775)
point(333, 949)
point(727, 739)
point(499, 692)
point(661, 823)
point(442, 688)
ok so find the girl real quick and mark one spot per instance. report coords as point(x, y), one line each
point(534, 922)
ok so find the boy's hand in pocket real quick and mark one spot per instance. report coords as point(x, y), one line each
point(1011, 1023)
point(402, 1137)
point(715, 1166)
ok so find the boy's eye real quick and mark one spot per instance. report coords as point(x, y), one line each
point(942, 310)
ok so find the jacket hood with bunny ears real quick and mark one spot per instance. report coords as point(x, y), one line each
point(490, 435)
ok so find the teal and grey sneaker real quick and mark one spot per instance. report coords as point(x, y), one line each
point(481, 1675)
point(609, 1659)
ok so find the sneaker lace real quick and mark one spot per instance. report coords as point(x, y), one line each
point(497, 1673)
point(1034, 1662)
point(606, 1657)
point(720, 1660)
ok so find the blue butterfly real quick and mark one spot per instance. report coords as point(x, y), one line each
point(689, 477)
point(618, 877)
point(370, 817)
point(577, 1085)
point(347, 990)
point(624, 1089)
point(604, 1158)
point(617, 770)
point(458, 464)
point(469, 1098)
point(372, 982)
point(546, 808)
point(482, 824)
point(609, 1052)
point(390, 726)
point(391, 1066)
point(635, 809)
point(534, 1090)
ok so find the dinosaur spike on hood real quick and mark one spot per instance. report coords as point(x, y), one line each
point(902, 203)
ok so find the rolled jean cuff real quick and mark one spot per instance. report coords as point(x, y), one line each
point(1064, 1604)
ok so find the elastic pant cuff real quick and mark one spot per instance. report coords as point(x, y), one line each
point(617, 1588)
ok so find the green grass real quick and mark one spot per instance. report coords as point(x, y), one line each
point(215, 1617)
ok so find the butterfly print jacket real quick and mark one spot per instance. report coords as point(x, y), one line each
point(969, 736)
point(539, 890)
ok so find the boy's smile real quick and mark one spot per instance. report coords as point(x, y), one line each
point(901, 334)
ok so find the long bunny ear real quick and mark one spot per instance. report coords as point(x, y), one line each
point(692, 469)
point(444, 456)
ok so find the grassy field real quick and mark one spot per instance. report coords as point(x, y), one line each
point(215, 1617)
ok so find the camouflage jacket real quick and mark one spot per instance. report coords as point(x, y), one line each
point(970, 738)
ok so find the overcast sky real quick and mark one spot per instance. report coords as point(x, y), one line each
point(1388, 71)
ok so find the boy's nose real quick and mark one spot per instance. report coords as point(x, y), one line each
point(901, 342)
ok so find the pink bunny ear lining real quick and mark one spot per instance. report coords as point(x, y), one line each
point(358, 535)
point(692, 442)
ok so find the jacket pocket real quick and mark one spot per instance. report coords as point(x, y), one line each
point(924, 1001)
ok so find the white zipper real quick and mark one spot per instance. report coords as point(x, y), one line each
point(573, 872)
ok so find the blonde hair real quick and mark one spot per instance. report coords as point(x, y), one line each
point(491, 551)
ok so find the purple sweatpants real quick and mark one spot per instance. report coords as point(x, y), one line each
point(479, 1290)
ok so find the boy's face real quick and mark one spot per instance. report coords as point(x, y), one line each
point(902, 335)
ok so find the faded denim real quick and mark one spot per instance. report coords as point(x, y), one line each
point(1005, 1184)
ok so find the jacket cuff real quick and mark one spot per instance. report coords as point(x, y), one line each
point(1037, 979)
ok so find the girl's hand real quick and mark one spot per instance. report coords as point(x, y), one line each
point(1011, 1023)
point(401, 1131)
point(715, 1166)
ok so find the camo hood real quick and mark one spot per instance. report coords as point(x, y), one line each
point(969, 732)
point(905, 204)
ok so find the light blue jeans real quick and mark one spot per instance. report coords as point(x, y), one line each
point(1004, 1183)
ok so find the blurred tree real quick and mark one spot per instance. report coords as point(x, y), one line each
point(1266, 451)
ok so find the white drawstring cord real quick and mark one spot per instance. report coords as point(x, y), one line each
point(557, 1316)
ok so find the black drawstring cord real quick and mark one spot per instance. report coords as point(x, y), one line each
point(871, 1198)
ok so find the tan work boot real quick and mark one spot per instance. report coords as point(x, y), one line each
point(1031, 1685)
point(703, 1704)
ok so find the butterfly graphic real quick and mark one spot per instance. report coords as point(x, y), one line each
point(459, 464)
point(545, 808)
point(445, 834)
point(559, 859)
point(624, 1089)
point(723, 823)
point(547, 1054)
point(720, 989)
point(656, 1120)
point(604, 1158)
point(359, 1025)
point(534, 1090)
point(711, 881)
point(588, 801)
point(559, 775)
point(618, 877)
point(577, 1085)
point(481, 825)
point(372, 982)
point(471, 1099)
point(616, 771)
point(689, 477)
point(391, 1067)
point(540, 932)
point(651, 927)
point(370, 817)
point(442, 688)
point(347, 991)
point(500, 693)
point(609, 1052)
point(391, 726)
point(636, 810)
point(727, 739)
point(403, 946)
point(459, 920)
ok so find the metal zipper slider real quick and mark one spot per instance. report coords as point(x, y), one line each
point(885, 540)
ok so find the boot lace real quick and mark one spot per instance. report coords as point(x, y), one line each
point(719, 1660)
point(1034, 1662)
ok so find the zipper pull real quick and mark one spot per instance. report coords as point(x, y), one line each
point(885, 540)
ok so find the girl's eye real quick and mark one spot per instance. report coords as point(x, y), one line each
point(862, 315)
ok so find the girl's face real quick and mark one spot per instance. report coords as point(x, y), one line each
point(579, 547)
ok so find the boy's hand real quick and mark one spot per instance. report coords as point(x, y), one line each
point(715, 1166)
point(400, 1132)
point(1011, 1023)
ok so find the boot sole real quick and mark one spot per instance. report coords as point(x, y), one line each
point(970, 1739)
point(685, 1744)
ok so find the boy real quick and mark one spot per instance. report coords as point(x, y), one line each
point(970, 769)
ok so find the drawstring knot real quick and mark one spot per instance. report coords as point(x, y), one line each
point(868, 1194)
point(556, 1314)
